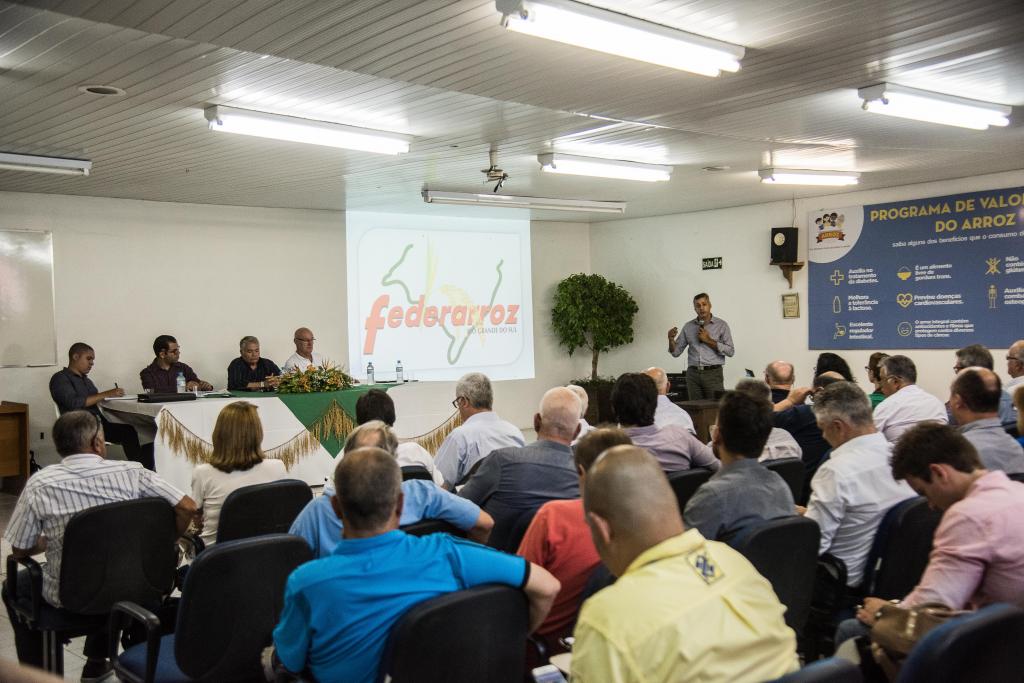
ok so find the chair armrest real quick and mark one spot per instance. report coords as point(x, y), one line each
point(539, 646)
point(35, 575)
point(121, 617)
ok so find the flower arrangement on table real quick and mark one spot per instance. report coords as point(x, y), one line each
point(315, 378)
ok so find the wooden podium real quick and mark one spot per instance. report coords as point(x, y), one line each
point(13, 446)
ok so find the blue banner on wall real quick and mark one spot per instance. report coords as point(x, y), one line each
point(935, 273)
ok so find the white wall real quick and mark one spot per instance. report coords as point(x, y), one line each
point(126, 271)
point(658, 260)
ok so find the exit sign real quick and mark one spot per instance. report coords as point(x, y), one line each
point(711, 263)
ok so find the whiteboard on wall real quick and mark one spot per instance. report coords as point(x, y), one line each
point(27, 332)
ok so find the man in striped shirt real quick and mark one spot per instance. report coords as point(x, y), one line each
point(83, 479)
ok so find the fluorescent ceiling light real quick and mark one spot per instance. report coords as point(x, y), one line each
point(922, 105)
point(569, 164)
point(802, 176)
point(514, 202)
point(618, 34)
point(30, 162)
point(293, 129)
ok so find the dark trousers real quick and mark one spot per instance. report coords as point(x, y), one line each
point(126, 437)
point(703, 383)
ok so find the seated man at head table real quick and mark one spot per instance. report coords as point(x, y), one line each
point(304, 355)
point(250, 371)
point(339, 610)
point(321, 527)
point(161, 376)
point(71, 389)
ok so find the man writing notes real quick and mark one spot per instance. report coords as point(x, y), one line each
point(709, 341)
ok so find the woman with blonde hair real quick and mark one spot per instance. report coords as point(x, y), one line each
point(237, 461)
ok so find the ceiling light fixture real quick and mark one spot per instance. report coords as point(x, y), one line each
point(519, 202)
point(294, 129)
point(589, 27)
point(803, 176)
point(923, 105)
point(569, 164)
point(30, 162)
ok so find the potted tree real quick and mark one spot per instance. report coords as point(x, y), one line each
point(593, 313)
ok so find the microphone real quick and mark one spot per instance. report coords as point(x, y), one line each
point(700, 321)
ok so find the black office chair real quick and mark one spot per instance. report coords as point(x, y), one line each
point(830, 670)
point(980, 646)
point(510, 528)
point(900, 551)
point(432, 526)
point(469, 636)
point(792, 470)
point(684, 484)
point(231, 601)
point(829, 596)
point(112, 552)
point(262, 509)
point(600, 579)
point(416, 472)
point(784, 551)
point(1017, 476)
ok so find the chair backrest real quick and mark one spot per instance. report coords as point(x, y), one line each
point(509, 530)
point(1017, 476)
point(468, 636)
point(262, 509)
point(980, 646)
point(784, 551)
point(792, 470)
point(684, 484)
point(118, 551)
point(432, 526)
point(599, 579)
point(832, 670)
point(416, 472)
point(230, 603)
point(899, 553)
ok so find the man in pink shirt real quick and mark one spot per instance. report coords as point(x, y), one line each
point(559, 540)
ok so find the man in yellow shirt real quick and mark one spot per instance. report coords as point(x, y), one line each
point(683, 608)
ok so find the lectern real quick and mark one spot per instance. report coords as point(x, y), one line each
point(13, 446)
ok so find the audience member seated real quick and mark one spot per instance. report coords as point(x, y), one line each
point(797, 418)
point(876, 396)
point(377, 405)
point(559, 541)
point(905, 403)
point(854, 488)
point(71, 389)
point(513, 480)
point(161, 376)
point(339, 610)
point(250, 371)
point(831, 362)
point(237, 461)
point(321, 527)
point(744, 491)
point(978, 552)
point(781, 443)
point(581, 394)
point(684, 608)
point(634, 401)
point(1018, 403)
point(779, 376)
point(974, 404)
point(481, 431)
point(1015, 366)
point(977, 356)
point(82, 480)
point(668, 412)
point(304, 355)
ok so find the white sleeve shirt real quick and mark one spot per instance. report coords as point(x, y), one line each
point(668, 413)
point(904, 409)
point(297, 361)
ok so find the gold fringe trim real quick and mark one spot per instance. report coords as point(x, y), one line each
point(181, 439)
point(433, 439)
point(299, 446)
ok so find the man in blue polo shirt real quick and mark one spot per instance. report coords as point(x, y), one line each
point(320, 526)
point(339, 610)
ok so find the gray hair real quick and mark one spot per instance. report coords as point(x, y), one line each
point(844, 401)
point(368, 483)
point(755, 388)
point(375, 434)
point(248, 339)
point(475, 388)
point(975, 356)
point(581, 394)
point(74, 431)
point(899, 366)
point(560, 412)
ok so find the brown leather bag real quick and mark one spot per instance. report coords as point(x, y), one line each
point(898, 629)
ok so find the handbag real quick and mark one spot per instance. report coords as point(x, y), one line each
point(898, 629)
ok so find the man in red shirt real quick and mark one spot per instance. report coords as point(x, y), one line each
point(559, 540)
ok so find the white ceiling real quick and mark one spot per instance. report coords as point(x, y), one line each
point(446, 73)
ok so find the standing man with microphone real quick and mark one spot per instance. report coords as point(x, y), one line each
point(709, 341)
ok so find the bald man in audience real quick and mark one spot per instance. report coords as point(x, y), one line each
point(977, 356)
point(304, 355)
point(905, 404)
point(1015, 365)
point(519, 479)
point(339, 610)
point(974, 402)
point(581, 394)
point(668, 412)
point(683, 608)
point(779, 375)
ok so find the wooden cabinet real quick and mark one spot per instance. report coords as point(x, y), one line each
point(13, 445)
point(704, 413)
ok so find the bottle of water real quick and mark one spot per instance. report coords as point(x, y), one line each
point(180, 383)
point(369, 374)
point(399, 372)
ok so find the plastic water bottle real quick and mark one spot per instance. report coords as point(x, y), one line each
point(180, 383)
point(369, 374)
point(399, 372)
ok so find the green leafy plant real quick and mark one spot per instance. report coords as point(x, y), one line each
point(314, 379)
point(593, 313)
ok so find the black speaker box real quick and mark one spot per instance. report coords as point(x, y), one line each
point(784, 245)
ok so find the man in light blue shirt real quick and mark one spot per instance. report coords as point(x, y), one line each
point(481, 432)
point(709, 341)
point(320, 526)
point(668, 412)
